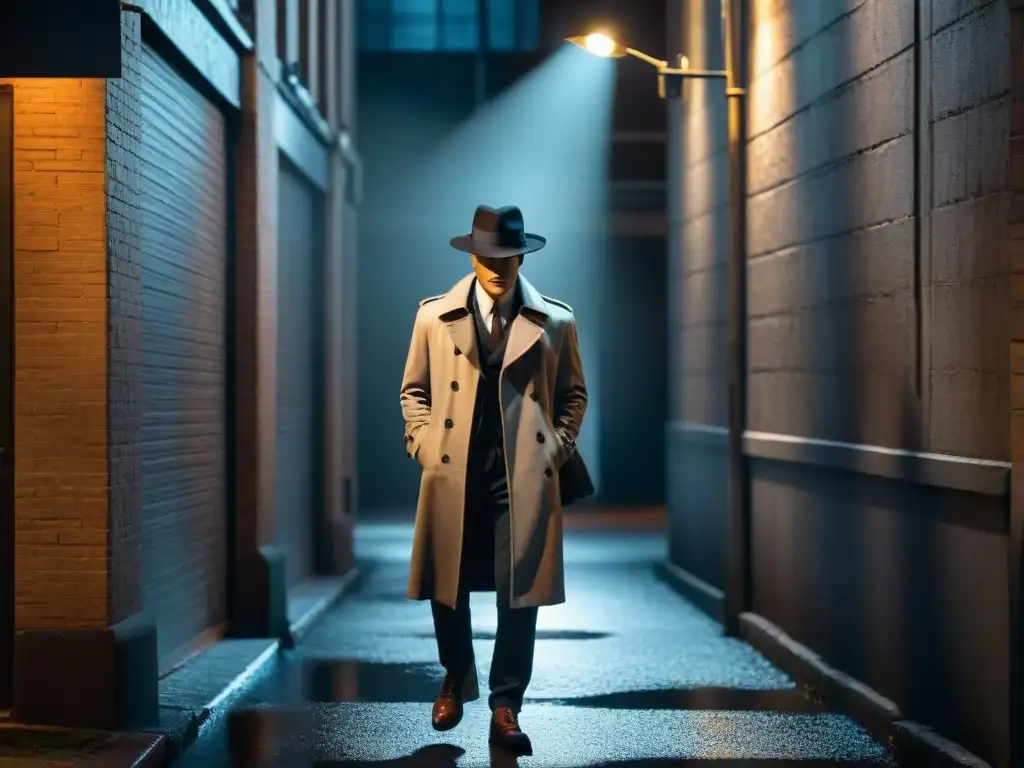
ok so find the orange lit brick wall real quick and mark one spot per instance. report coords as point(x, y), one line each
point(60, 249)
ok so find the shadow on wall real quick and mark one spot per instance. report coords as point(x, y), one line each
point(896, 583)
point(698, 217)
point(542, 145)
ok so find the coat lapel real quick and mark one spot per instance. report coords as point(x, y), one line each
point(528, 326)
point(454, 311)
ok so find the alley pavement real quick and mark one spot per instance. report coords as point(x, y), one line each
point(627, 673)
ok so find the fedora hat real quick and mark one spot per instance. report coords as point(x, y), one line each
point(498, 234)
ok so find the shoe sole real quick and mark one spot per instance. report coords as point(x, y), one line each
point(445, 727)
point(516, 747)
point(442, 727)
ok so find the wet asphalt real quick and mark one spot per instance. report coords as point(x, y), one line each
point(627, 673)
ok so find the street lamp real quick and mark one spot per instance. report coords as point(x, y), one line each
point(670, 79)
point(670, 84)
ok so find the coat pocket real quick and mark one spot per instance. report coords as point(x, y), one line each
point(427, 453)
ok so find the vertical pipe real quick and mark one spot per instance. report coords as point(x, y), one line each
point(737, 593)
point(481, 53)
point(7, 577)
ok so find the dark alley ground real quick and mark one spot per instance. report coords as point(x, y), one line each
point(626, 673)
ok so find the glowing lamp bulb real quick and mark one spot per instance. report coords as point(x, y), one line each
point(599, 44)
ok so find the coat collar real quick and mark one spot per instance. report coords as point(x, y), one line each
point(454, 311)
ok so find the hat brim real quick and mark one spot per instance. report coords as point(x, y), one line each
point(467, 244)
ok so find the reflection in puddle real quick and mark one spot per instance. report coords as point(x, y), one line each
point(542, 634)
point(299, 680)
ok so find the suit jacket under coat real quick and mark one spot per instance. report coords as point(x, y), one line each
point(543, 398)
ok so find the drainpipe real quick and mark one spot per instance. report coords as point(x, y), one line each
point(738, 580)
point(481, 54)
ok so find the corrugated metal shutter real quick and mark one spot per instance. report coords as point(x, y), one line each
point(300, 435)
point(184, 281)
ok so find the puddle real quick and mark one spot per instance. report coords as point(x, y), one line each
point(297, 680)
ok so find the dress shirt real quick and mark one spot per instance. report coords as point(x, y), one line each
point(485, 306)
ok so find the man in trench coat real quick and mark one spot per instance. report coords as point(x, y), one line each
point(493, 397)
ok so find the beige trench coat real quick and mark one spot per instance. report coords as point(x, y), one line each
point(543, 397)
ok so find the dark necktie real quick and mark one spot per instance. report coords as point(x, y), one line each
point(495, 327)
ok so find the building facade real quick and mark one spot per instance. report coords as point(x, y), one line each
point(881, 200)
point(182, 296)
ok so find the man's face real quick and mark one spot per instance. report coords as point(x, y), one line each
point(496, 276)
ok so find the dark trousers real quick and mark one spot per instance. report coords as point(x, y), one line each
point(512, 661)
point(487, 511)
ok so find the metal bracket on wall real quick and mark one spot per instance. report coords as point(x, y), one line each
point(354, 166)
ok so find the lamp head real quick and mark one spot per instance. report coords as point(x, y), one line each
point(599, 44)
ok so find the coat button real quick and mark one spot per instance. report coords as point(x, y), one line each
point(548, 472)
point(534, 396)
point(455, 386)
point(448, 423)
point(458, 351)
point(445, 459)
point(540, 438)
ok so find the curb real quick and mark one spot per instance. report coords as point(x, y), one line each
point(911, 744)
point(345, 586)
point(707, 598)
point(183, 731)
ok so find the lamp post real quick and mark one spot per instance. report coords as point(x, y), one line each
point(670, 85)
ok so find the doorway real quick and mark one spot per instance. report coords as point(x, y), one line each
point(6, 393)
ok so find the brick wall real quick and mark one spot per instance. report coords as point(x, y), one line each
point(61, 497)
point(123, 220)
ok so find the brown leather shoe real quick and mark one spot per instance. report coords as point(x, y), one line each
point(447, 712)
point(505, 732)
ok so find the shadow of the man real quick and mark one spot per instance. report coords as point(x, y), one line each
point(502, 758)
point(432, 756)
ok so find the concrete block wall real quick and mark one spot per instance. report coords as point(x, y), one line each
point(867, 123)
point(831, 237)
point(698, 234)
point(1016, 253)
point(1016, 256)
point(968, 276)
point(881, 229)
point(697, 271)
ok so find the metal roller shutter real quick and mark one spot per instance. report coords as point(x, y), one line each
point(300, 447)
point(184, 281)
